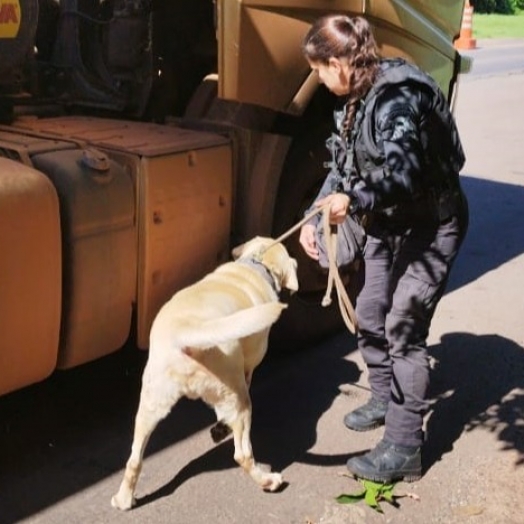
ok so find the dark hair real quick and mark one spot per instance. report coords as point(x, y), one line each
point(340, 36)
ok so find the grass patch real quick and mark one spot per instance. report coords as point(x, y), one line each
point(498, 26)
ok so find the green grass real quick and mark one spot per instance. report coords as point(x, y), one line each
point(498, 26)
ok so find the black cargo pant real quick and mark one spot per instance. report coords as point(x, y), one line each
point(405, 274)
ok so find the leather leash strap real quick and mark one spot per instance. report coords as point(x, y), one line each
point(344, 303)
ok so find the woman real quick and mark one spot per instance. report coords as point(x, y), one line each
point(396, 155)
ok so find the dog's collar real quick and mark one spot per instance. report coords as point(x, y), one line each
point(262, 270)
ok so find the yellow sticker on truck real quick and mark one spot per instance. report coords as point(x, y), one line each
point(10, 16)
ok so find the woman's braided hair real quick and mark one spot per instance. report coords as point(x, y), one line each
point(340, 36)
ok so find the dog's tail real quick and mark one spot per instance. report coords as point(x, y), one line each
point(218, 331)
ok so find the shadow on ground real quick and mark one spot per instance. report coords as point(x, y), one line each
point(495, 229)
point(477, 382)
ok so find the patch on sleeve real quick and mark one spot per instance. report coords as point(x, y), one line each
point(399, 127)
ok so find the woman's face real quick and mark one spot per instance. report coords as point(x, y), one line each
point(334, 75)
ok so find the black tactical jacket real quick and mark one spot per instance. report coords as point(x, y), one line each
point(403, 145)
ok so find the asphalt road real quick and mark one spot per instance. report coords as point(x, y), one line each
point(496, 57)
point(64, 442)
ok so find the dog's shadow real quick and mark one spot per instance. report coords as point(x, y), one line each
point(289, 394)
point(217, 458)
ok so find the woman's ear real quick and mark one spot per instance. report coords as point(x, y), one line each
point(335, 64)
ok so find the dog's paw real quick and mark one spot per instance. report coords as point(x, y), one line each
point(219, 431)
point(271, 481)
point(122, 502)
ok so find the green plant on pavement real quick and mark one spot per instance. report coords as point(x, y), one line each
point(372, 493)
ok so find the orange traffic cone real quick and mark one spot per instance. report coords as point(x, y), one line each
point(465, 39)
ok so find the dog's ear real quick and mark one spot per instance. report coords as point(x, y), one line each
point(290, 280)
point(237, 251)
point(250, 247)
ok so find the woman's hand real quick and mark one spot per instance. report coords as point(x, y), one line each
point(338, 206)
point(308, 242)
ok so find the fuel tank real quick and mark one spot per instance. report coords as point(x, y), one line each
point(97, 210)
point(30, 276)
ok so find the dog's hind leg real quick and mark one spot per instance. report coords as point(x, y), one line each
point(152, 409)
point(240, 423)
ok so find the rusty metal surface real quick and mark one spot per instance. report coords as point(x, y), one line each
point(141, 138)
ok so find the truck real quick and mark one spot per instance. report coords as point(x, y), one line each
point(141, 139)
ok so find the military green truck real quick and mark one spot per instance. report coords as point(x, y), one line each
point(141, 139)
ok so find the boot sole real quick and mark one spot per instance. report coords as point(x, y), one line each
point(408, 477)
point(374, 425)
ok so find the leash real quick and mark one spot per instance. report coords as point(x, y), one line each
point(344, 303)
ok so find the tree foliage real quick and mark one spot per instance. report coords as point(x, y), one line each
point(505, 7)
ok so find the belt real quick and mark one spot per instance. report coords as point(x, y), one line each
point(439, 205)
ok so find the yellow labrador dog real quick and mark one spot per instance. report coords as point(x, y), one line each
point(205, 343)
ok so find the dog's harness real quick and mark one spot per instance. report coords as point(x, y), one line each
point(346, 307)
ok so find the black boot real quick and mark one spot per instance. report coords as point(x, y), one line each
point(369, 416)
point(388, 462)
